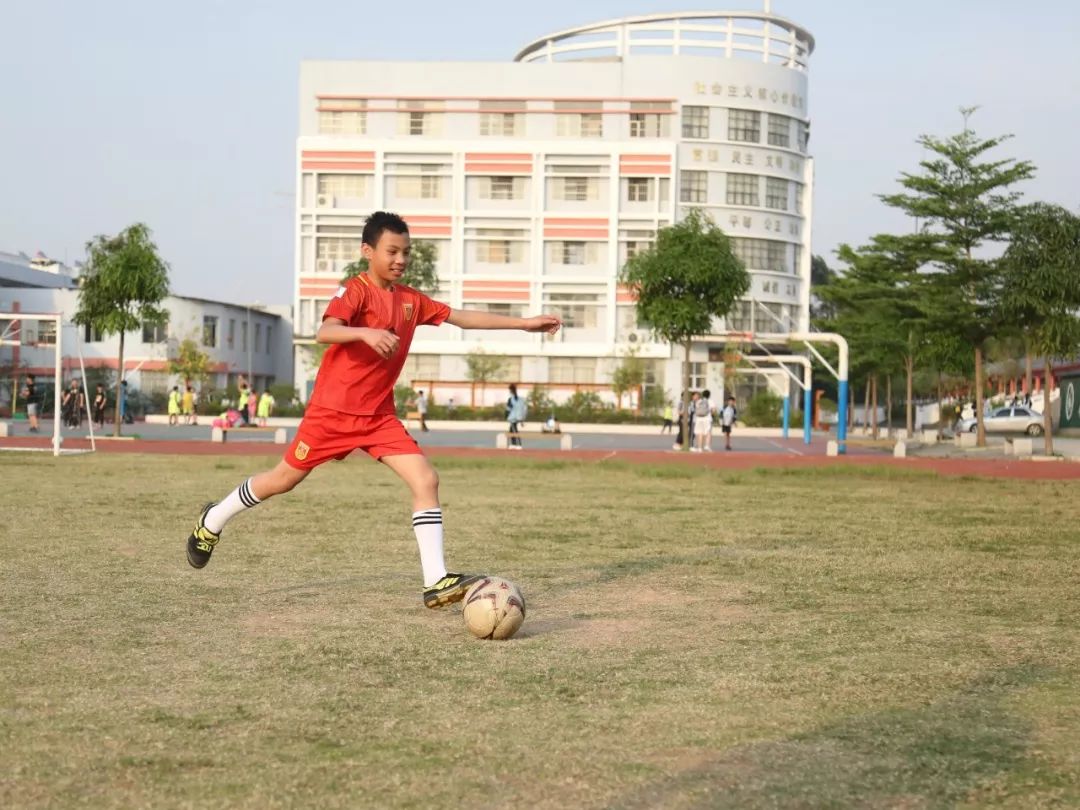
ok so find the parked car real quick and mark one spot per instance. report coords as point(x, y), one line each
point(1015, 419)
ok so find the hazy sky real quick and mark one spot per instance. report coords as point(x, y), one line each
point(184, 115)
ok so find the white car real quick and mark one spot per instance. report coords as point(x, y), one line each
point(1010, 419)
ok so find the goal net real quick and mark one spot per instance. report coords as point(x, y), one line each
point(32, 377)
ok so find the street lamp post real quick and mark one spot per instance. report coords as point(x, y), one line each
point(250, 339)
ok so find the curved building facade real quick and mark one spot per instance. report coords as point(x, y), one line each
point(537, 179)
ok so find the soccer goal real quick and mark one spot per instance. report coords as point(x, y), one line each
point(25, 342)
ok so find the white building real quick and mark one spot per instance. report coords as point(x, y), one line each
point(536, 180)
point(221, 330)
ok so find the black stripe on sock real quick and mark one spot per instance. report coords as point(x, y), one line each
point(429, 522)
point(246, 497)
point(429, 512)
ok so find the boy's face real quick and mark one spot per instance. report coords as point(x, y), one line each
point(388, 259)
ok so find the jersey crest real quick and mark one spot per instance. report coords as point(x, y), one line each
point(408, 308)
point(301, 451)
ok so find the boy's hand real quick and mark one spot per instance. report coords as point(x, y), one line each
point(543, 323)
point(383, 342)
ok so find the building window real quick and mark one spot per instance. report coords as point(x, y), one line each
point(154, 333)
point(269, 332)
point(634, 248)
point(744, 125)
point(343, 185)
point(740, 319)
point(421, 367)
point(804, 135)
point(209, 331)
point(799, 197)
point(422, 187)
point(762, 254)
point(779, 130)
point(576, 189)
point(697, 376)
point(258, 337)
point(637, 189)
point(337, 248)
point(420, 117)
point(90, 334)
point(572, 124)
point(502, 188)
point(499, 308)
point(230, 335)
point(243, 336)
point(502, 118)
point(572, 369)
point(577, 310)
point(648, 125)
point(695, 122)
point(693, 187)
point(342, 123)
point(742, 189)
point(776, 193)
point(495, 251)
point(46, 333)
point(575, 252)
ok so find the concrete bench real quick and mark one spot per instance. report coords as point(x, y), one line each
point(566, 440)
point(219, 435)
point(929, 437)
point(1021, 448)
point(967, 439)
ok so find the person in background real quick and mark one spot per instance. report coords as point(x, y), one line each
point(669, 417)
point(125, 417)
point(252, 407)
point(515, 415)
point(32, 397)
point(174, 405)
point(266, 408)
point(421, 408)
point(99, 406)
point(727, 421)
point(188, 405)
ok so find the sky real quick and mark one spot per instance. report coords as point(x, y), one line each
point(184, 115)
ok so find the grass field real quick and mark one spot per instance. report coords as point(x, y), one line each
point(820, 638)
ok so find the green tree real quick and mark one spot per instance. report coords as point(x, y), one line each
point(628, 376)
point(421, 272)
point(122, 286)
point(965, 200)
point(881, 304)
point(1041, 293)
point(482, 368)
point(686, 279)
point(191, 363)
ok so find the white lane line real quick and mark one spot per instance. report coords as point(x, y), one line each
point(779, 446)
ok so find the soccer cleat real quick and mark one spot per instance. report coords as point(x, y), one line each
point(451, 588)
point(201, 542)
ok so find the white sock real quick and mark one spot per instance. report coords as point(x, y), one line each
point(427, 525)
point(237, 501)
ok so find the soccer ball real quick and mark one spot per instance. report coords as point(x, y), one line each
point(494, 608)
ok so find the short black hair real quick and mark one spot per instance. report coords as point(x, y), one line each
point(382, 221)
point(706, 393)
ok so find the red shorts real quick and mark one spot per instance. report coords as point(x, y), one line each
point(327, 434)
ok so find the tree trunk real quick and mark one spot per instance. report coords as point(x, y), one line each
point(1027, 368)
point(866, 407)
point(873, 409)
point(980, 440)
point(686, 396)
point(888, 405)
point(1048, 420)
point(119, 384)
point(940, 408)
point(909, 373)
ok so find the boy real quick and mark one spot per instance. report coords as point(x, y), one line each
point(187, 404)
point(369, 325)
point(99, 406)
point(727, 421)
point(702, 414)
point(174, 406)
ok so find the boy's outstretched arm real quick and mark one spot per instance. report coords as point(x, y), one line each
point(474, 319)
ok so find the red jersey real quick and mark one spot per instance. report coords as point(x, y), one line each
point(353, 378)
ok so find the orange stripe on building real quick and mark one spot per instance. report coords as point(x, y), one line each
point(318, 292)
point(576, 221)
point(645, 158)
point(639, 168)
point(502, 168)
point(351, 165)
point(367, 96)
point(430, 230)
point(310, 153)
point(427, 218)
point(525, 156)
